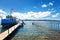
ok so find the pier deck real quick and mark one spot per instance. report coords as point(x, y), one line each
point(9, 31)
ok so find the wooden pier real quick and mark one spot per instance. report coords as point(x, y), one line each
point(9, 31)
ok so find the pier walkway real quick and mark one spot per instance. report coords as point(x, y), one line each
point(9, 31)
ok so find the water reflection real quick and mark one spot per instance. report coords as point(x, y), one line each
point(38, 30)
point(3, 29)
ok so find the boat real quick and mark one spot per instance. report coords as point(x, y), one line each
point(8, 22)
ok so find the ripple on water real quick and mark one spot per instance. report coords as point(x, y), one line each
point(36, 32)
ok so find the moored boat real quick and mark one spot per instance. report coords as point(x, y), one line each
point(8, 22)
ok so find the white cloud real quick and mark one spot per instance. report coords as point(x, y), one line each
point(50, 3)
point(2, 11)
point(31, 15)
point(55, 15)
point(52, 10)
point(34, 7)
point(2, 14)
point(44, 5)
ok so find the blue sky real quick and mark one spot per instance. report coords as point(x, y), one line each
point(25, 7)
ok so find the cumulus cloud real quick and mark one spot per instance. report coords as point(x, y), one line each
point(31, 15)
point(2, 11)
point(52, 10)
point(2, 14)
point(55, 15)
point(50, 3)
point(44, 5)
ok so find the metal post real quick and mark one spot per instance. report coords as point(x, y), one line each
point(11, 10)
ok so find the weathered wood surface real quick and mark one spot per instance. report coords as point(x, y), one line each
point(9, 31)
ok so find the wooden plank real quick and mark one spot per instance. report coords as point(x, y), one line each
point(6, 33)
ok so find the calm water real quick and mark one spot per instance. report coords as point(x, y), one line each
point(38, 30)
point(0, 26)
point(2, 29)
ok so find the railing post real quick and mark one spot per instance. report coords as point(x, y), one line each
point(58, 26)
point(8, 31)
point(14, 27)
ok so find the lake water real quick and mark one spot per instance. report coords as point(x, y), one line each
point(39, 30)
point(0, 26)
